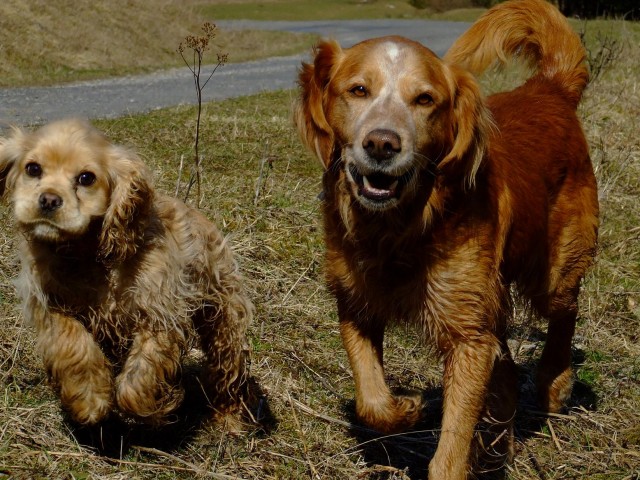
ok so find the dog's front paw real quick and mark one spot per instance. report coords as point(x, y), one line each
point(90, 410)
point(149, 403)
point(397, 414)
point(87, 403)
point(408, 411)
point(441, 470)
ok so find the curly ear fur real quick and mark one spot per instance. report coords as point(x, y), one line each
point(125, 222)
point(11, 150)
point(309, 117)
point(471, 125)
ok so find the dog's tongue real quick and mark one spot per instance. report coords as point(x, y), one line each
point(379, 186)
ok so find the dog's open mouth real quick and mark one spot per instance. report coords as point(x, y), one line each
point(379, 187)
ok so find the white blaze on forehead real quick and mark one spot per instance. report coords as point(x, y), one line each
point(392, 51)
point(391, 66)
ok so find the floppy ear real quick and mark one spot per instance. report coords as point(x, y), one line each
point(125, 222)
point(11, 150)
point(471, 125)
point(309, 116)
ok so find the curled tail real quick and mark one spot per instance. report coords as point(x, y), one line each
point(530, 29)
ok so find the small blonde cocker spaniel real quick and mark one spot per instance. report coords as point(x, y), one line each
point(120, 281)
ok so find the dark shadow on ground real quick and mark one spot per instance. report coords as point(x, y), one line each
point(410, 451)
point(115, 437)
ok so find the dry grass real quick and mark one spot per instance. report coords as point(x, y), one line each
point(297, 357)
point(457, 10)
point(44, 42)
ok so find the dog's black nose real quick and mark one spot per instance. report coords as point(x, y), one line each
point(50, 202)
point(381, 144)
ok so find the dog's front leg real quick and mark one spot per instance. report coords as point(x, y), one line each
point(468, 368)
point(149, 385)
point(77, 367)
point(376, 406)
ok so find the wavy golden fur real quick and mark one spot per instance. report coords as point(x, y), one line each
point(437, 200)
point(120, 281)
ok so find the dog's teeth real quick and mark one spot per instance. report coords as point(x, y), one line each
point(394, 185)
point(366, 183)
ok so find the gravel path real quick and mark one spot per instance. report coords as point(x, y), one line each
point(113, 98)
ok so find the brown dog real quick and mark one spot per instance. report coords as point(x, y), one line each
point(120, 281)
point(436, 200)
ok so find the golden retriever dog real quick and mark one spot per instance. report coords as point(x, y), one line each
point(120, 281)
point(437, 200)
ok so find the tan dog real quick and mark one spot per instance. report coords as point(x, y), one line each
point(437, 200)
point(119, 281)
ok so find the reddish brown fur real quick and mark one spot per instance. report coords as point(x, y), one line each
point(490, 193)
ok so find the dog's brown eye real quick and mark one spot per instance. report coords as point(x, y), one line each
point(86, 179)
point(359, 91)
point(33, 169)
point(424, 99)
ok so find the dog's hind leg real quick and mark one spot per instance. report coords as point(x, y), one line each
point(223, 338)
point(77, 367)
point(554, 374)
point(574, 232)
point(554, 377)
